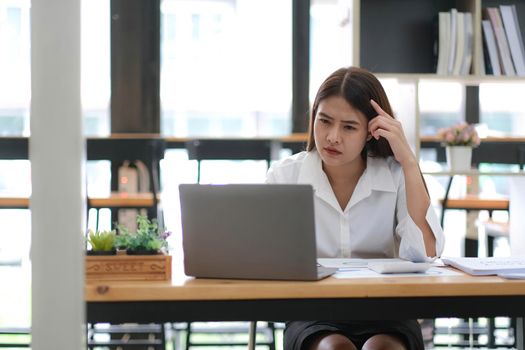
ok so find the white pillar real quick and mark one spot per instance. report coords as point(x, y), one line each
point(57, 155)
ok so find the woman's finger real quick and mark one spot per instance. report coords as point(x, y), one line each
point(384, 123)
point(378, 109)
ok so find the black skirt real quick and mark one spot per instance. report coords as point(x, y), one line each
point(298, 333)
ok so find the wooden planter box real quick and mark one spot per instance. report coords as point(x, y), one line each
point(129, 267)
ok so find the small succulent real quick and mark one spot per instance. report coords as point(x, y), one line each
point(101, 240)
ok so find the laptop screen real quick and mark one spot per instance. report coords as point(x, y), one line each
point(254, 231)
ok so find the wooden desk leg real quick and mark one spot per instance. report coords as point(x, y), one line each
point(520, 332)
point(253, 335)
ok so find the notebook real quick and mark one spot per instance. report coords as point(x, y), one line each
point(249, 231)
point(488, 266)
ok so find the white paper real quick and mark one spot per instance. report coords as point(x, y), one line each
point(512, 276)
point(350, 263)
point(359, 263)
point(488, 266)
point(366, 273)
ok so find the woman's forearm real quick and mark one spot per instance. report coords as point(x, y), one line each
point(418, 202)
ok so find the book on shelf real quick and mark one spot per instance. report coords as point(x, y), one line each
point(452, 40)
point(509, 17)
point(494, 16)
point(466, 61)
point(488, 266)
point(489, 42)
point(455, 42)
point(481, 59)
point(460, 43)
point(443, 42)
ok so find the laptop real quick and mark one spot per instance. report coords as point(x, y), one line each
point(249, 231)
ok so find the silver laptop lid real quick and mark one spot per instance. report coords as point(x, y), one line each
point(249, 231)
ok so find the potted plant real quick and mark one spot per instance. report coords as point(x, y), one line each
point(459, 140)
point(102, 242)
point(148, 240)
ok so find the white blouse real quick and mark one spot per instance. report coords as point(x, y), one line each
point(375, 222)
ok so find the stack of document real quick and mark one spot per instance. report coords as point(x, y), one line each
point(382, 268)
point(507, 267)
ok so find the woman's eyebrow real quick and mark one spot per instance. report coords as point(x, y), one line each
point(352, 122)
point(349, 121)
point(323, 114)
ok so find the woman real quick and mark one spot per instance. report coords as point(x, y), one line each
point(370, 201)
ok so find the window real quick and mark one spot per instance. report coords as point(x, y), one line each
point(441, 105)
point(95, 66)
point(501, 109)
point(14, 68)
point(330, 39)
point(225, 71)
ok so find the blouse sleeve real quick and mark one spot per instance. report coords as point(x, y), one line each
point(270, 176)
point(412, 245)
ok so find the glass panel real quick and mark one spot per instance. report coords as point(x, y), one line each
point(95, 68)
point(221, 74)
point(440, 104)
point(502, 112)
point(330, 39)
point(14, 68)
point(402, 97)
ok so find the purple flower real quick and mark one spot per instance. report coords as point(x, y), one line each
point(164, 235)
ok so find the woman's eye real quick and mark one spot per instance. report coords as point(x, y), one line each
point(349, 127)
point(324, 121)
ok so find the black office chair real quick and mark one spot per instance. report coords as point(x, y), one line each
point(127, 336)
point(221, 334)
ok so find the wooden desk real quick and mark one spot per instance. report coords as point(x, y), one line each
point(188, 299)
point(296, 142)
point(115, 200)
point(14, 202)
point(472, 202)
point(148, 148)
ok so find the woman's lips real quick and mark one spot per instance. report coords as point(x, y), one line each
point(332, 151)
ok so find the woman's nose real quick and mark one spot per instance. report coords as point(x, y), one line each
point(333, 135)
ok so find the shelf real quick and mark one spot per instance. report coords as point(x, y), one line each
point(434, 138)
point(411, 29)
point(474, 173)
point(399, 37)
point(462, 79)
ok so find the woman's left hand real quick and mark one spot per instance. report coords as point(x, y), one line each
point(391, 129)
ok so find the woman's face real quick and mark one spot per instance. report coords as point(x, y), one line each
point(340, 132)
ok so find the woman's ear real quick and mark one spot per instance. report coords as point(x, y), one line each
point(368, 137)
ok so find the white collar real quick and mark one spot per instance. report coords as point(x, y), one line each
point(377, 176)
